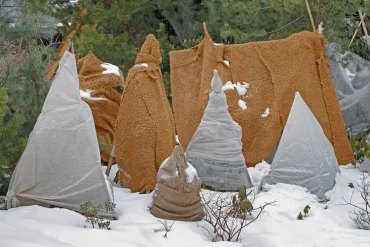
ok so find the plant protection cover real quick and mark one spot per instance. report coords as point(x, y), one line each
point(215, 150)
point(305, 157)
point(61, 163)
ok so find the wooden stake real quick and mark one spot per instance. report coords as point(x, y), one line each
point(110, 162)
point(364, 27)
point(356, 32)
point(310, 14)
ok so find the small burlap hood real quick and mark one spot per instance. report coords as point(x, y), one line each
point(176, 195)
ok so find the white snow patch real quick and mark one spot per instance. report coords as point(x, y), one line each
point(145, 65)
point(191, 173)
point(326, 224)
point(242, 104)
point(258, 172)
point(228, 86)
point(87, 95)
point(266, 113)
point(110, 69)
point(241, 88)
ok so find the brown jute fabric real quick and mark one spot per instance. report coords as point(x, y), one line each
point(275, 70)
point(145, 131)
point(104, 111)
point(174, 197)
point(91, 77)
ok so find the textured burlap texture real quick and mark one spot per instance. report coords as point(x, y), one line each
point(91, 77)
point(145, 131)
point(104, 111)
point(176, 195)
point(275, 70)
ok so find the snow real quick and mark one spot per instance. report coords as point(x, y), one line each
point(87, 95)
point(325, 225)
point(240, 88)
point(110, 69)
point(228, 86)
point(144, 65)
point(191, 173)
point(266, 113)
point(242, 104)
point(321, 28)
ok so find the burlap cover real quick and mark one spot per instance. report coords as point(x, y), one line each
point(175, 198)
point(145, 132)
point(91, 77)
point(275, 70)
point(104, 111)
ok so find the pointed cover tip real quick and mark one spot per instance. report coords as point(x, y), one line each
point(216, 83)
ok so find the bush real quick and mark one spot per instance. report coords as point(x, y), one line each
point(229, 213)
point(360, 144)
point(361, 214)
point(91, 214)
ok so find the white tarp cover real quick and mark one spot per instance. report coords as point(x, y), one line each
point(305, 157)
point(61, 163)
point(351, 75)
point(215, 150)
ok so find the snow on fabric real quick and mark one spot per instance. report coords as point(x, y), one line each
point(215, 150)
point(110, 69)
point(87, 95)
point(240, 88)
point(144, 65)
point(304, 156)
point(176, 195)
point(242, 104)
point(326, 224)
point(60, 165)
point(266, 113)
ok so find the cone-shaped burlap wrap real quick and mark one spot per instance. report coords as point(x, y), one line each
point(275, 70)
point(145, 132)
point(216, 148)
point(304, 157)
point(60, 165)
point(104, 101)
point(176, 195)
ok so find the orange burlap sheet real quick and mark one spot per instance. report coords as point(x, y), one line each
point(275, 70)
point(104, 111)
point(145, 130)
point(91, 77)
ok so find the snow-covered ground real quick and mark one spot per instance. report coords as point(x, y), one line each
point(326, 224)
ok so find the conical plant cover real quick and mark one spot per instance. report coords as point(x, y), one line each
point(61, 163)
point(305, 157)
point(216, 148)
point(105, 111)
point(176, 195)
point(145, 129)
point(274, 70)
